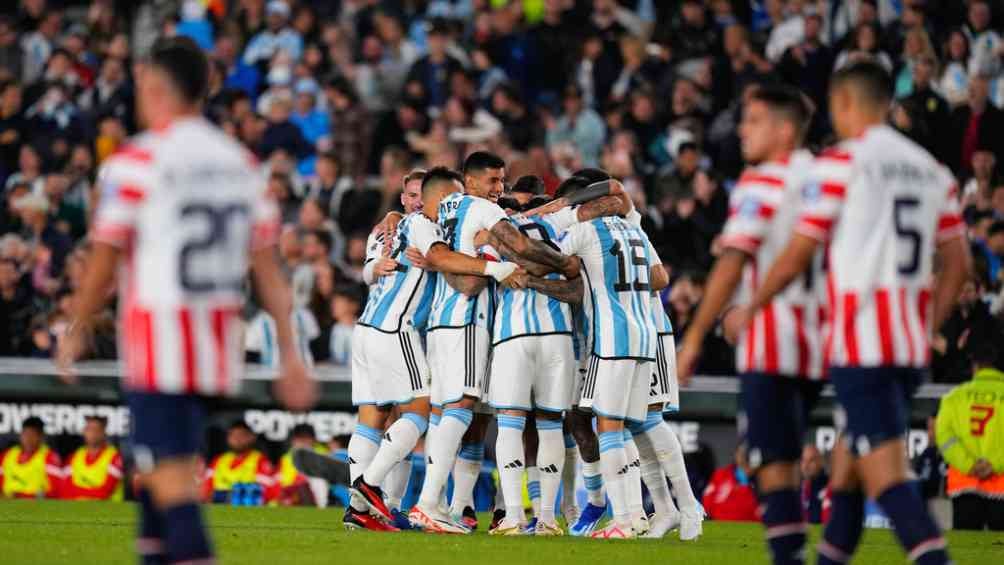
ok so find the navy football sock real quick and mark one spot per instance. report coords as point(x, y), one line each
point(913, 525)
point(843, 530)
point(150, 538)
point(785, 524)
point(186, 538)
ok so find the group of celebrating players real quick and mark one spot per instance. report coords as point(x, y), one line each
point(550, 312)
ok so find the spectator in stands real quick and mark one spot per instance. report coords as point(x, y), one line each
point(434, 70)
point(809, 63)
point(240, 469)
point(730, 494)
point(815, 480)
point(281, 132)
point(16, 309)
point(580, 125)
point(970, 319)
point(984, 42)
point(977, 191)
point(31, 469)
point(933, 109)
point(345, 309)
point(954, 82)
point(971, 440)
point(277, 38)
point(975, 125)
point(351, 129)
point(295, 486)
point(313, 122)
point(11, 54)
point(917, 46)
point(94, 471)
point(39, 45)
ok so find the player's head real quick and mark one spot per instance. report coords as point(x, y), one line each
point(95, 428)
point(580, 179)
point(438, 182)
point(774, 122)
point(526, 187)
point(411, 192)
point(537, 201)
point(240, 438)
point(860, 94)
point(32, 433)
point(484, 174)
point(172, 81)
point(303, 436)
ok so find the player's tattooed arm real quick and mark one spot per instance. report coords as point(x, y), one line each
point(604, 206)
point(468, 284)
point(511, 243)
point(565, 290)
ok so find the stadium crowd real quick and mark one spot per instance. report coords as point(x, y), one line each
point(339, 100)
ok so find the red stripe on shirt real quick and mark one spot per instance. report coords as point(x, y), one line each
point(823, 224)
point(135, 153)
point(835, 154)
point(923, 302)
point(187, 348)
point(803, 342)
point(770, 340)
point(905, 320)
point(759, 178)
point(833, 189)
point(143, 345)
point(850, 310)
point(765, 211)
point(948, 223)
point(883, 313)
point(219, 318)
point(131, 193)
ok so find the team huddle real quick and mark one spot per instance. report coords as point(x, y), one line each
point(548, 315)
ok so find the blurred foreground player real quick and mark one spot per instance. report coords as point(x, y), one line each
point(184, 213)
point(94, 471)
point(30, 469)
point(883, 206)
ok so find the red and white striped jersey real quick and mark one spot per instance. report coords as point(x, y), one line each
point(882, 203)
point(784, 337)
point(186, 205)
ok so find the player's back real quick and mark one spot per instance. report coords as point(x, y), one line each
point(526, 311)
point(462, 216)
point(884, 203)
point(187, 205)
point(616, 267)
point(765, 206)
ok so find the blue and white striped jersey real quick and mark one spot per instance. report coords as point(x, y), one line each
point(261, 336)
point(659, 317)
point(404, 299)
point(461, 216)
point(523, 312)
point(618, 302)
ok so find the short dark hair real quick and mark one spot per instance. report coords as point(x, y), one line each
point(33, 423)
point(438, 175)
point(186, 65)
point(870, 79)
point(788, 102)
point(324, 237)
point(592, 174)
point(103, 420)
point(581, 179)
point(529, 184)
point(538, 200)
point(239, 424)
point(996, 228)
point(508, 203)
point(352, 291)
point(482, 160)
point(303, 430)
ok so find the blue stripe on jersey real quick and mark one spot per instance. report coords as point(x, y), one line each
point(451, 303)
point(268, 349)
point(560, 325)
point(506, 314)
point(446, 315)
point(610, 275)
point(387, 300)
point(424, 308)
point(526, 311)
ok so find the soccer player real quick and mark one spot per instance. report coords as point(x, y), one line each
point(184, 212)
point(532, 367)
point(778, 356)
point(617, 266)
point(883, 206)
point(389, 367)
point(459, 327)
point(94, 471)
point(30, 469)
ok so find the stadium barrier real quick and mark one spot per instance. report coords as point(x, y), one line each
point(32, 387)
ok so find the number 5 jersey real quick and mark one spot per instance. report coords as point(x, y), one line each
point(187, 206)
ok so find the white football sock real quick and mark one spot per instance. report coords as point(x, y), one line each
point(632, 481)
point(655, 478)
point(568, 473)
point(511, 464)
point(593, 478)
point(396, 484)
point(398, 441)
point(550, 463)
point(363, 447)
point(614, 464)
point(466, 470)
point(670, 455)
point(450, 431)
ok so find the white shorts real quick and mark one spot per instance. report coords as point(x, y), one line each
point(532, 372)
point(617, 388)
point(664, 388)
point(459, 361)
point(387, 368)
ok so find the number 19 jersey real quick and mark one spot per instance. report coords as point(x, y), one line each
point(186, 205)
point(882, 203)
point(616, 301)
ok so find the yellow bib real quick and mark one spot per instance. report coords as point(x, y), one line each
point(28, 478)
point(225, 476)
point(288, 471)
point(94, 475)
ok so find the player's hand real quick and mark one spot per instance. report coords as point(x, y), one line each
point(482, 238)
point(416, 258)
point(294, 388)
point(733, 324)
point(549, 208)
point(686, 358)
point(517, 279)
point(982, 469)
point(70, 349)
point(384, 266)
point(388, 226)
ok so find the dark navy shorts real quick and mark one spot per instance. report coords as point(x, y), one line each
point(776, 412)
point(874, 404)
point(165, 426)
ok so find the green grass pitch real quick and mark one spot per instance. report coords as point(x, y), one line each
point(82, 533)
